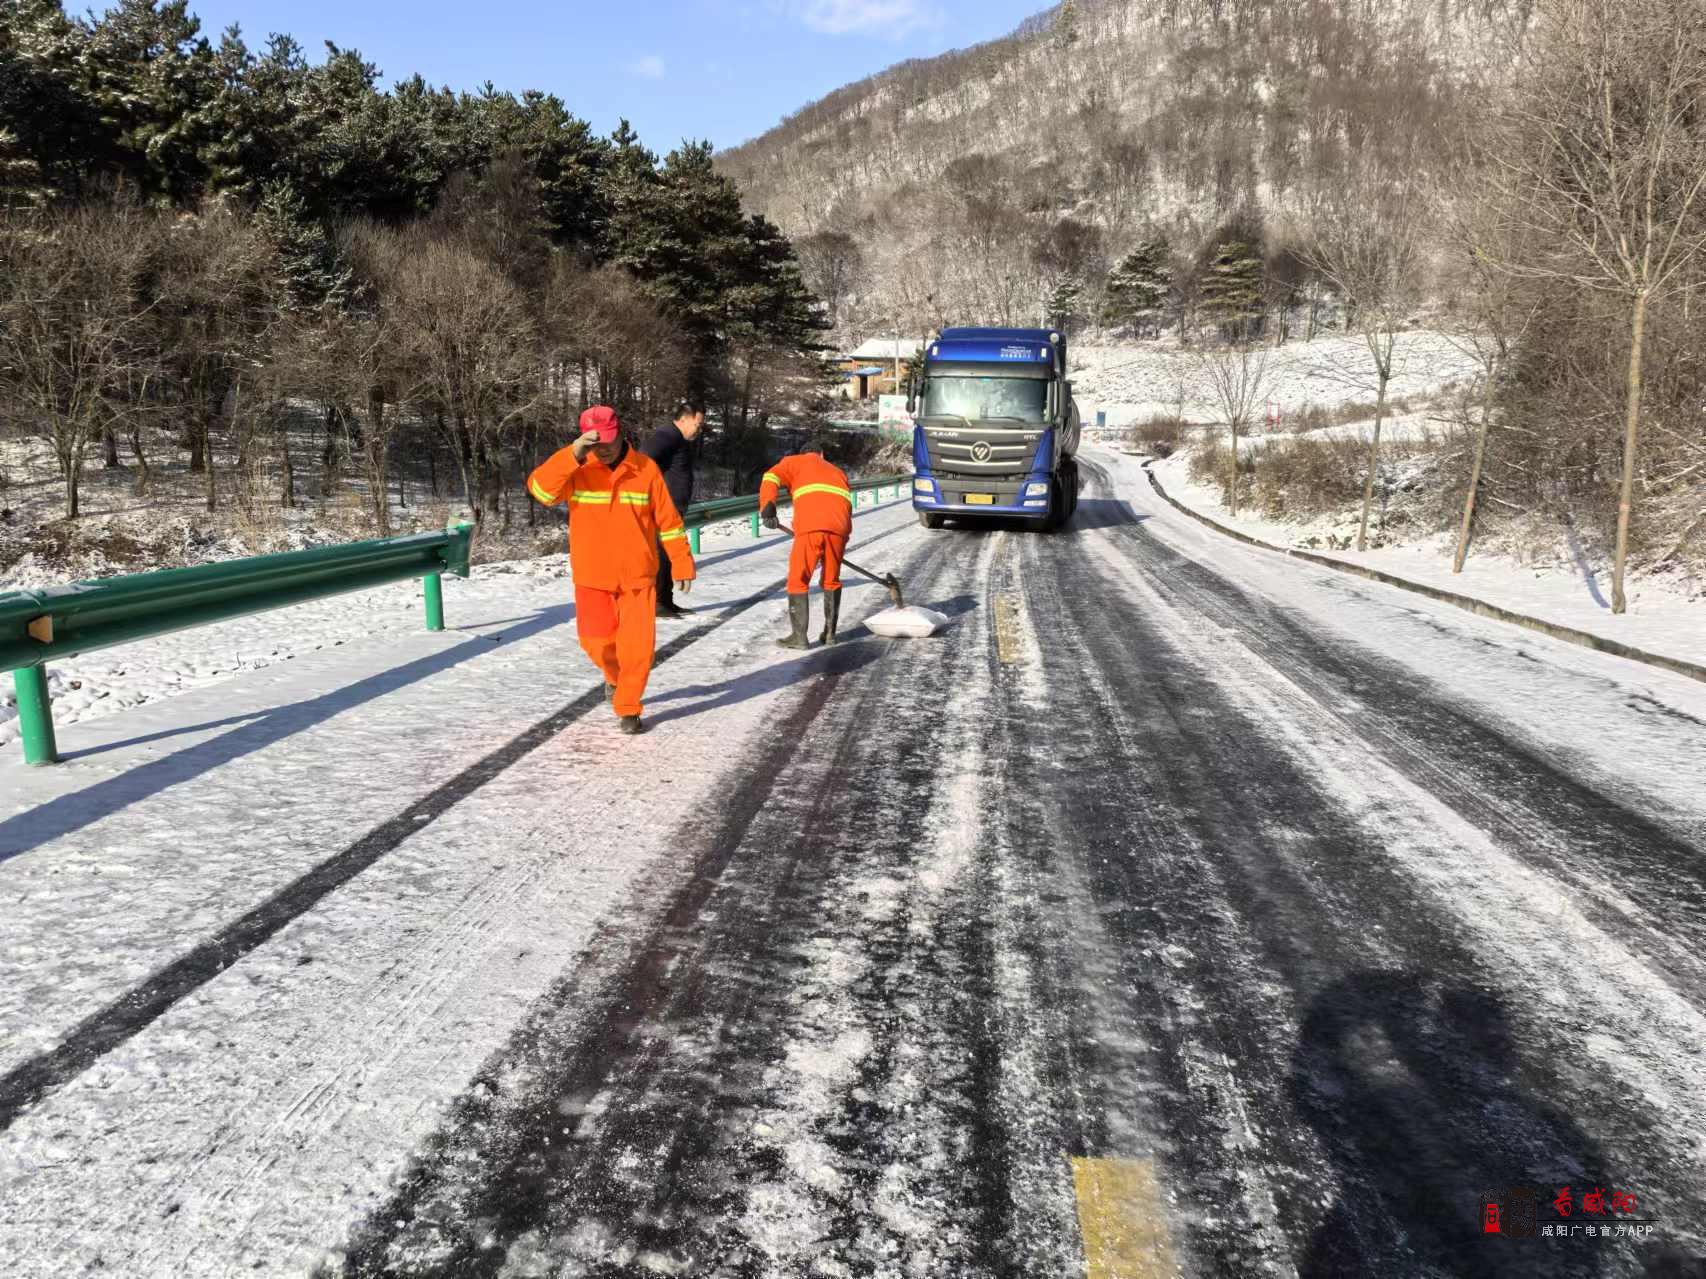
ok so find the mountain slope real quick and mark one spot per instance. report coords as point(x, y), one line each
point(982, 180)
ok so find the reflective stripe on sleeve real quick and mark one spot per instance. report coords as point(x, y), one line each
point(539, 493)
point(770, 477)
point(673, 535)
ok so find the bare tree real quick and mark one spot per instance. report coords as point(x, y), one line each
point(834, 270)
point(1603, 172)
point(73, 319)
point(1497, 313)
point(634, 354)
point(474, 348)
point(216, 300)
point(1237, 376)
point(366, 358)
point(1369, 248)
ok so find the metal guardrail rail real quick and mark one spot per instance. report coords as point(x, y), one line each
point(702, 513)
point(38, 626)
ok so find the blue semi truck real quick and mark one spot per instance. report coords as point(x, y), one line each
point(996, 428)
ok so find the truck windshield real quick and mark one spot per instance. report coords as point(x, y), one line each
point(1023, 398)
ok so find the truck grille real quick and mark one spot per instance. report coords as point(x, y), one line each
point(981, 451)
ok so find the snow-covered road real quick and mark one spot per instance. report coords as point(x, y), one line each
point(1305, 915)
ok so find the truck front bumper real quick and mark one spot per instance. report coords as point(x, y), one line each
point(974, 495)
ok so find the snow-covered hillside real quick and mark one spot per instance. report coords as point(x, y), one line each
point(1130, 382)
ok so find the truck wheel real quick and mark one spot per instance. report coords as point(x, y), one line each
point(929, 519)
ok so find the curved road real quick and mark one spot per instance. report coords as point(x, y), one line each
point(1179, 911)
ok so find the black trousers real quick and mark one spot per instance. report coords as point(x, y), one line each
point(666, 580)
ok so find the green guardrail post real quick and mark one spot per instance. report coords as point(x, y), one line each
point(457, 559)
point(753, 524)
point(35, 715)
point(434, 585)
point(693, 539)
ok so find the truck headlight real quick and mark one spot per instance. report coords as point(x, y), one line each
point(924, 486)
point(1036, 490)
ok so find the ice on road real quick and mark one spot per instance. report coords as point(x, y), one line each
point(1330, 908)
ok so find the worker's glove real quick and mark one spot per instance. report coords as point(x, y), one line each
point(684, 587)
point(583, 446)
point(768, 515)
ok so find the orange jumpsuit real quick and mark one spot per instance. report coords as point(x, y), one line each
point(823, 516)
point(617, 519)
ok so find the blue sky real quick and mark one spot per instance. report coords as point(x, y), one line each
point(719, 69)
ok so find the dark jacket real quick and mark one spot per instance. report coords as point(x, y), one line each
point(676, 458)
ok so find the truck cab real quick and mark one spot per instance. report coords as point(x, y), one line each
point(996, 428)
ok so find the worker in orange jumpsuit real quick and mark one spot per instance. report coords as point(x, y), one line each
point(823, 520)
point(620, 513)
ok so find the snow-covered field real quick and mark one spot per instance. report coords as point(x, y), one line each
point(1547, 572)
point(1135, 381)
point(1665, 617)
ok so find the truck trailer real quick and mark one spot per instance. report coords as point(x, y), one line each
point(996, 428)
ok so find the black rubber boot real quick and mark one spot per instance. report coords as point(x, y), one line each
point(799, 617)
point(831, 614)
point(630, 724)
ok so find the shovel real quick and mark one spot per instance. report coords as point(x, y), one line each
point(888, 581)
point(901, 621)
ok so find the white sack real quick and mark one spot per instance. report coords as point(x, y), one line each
point(910, 622)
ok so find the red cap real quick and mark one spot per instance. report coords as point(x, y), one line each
point(601, 418)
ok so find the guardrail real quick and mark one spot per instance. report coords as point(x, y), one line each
point(38, 626)
point(723, 508)
point(899, 434)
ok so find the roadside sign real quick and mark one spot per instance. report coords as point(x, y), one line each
point(892, 414)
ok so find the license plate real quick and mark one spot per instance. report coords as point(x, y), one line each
point(980, 499)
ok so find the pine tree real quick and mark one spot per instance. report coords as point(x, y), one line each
point(152, 76)
point(1232, 290)
point(309, 265)
point(775, 303)
point(20, 176)
point(1064, 306)
point(681, 232)
point(1139, 286)
point(567, 159)
point(228, 150)
point(54, 139)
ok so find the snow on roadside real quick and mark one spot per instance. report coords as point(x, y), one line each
point(1662, 618)
point(101, 683)
point(1135, 381)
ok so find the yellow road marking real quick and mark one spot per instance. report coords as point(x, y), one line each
point(1007, 629)
point(1120, 1216)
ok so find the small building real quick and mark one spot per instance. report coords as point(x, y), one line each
point(869, 370)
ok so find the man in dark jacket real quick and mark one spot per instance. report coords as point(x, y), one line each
point(675, 449)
